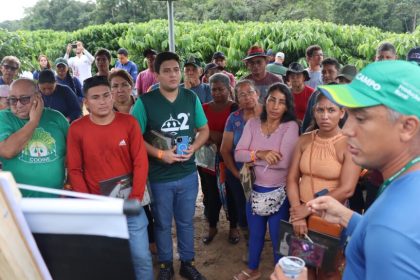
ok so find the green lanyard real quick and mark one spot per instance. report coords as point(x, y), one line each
point(395, 176)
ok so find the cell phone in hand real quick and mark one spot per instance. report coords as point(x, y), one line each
point(321, 193)
point(182, 143)
point(74, 45)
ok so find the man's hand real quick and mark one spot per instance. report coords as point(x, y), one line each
point(188, 153)
point(169, 156)
point(80, 45)
point(37, 109)
point(331, 210)
point(299, 212)
point(271, 157)
point(279, 275)
point(69, 48)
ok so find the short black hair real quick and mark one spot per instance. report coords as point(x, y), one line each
point(122, 51)
point(311, 49)
point(46, 76)
point(290, 114)
point(331, 61)
point(386, 47)
point(104, 52)
point(94, 82)
point(165, 56)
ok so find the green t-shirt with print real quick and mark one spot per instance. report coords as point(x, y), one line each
point(178, 118)
point(41, 162)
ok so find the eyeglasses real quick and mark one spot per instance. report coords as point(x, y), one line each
point(10, 67)
point(24, 100)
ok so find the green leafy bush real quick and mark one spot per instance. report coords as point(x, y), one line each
point(348, 43)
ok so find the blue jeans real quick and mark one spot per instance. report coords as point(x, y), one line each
point(236, 198)
point(139, 246)
point(257, 226)
point(175, 199)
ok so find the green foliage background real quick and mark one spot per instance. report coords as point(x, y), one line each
point(348, 43)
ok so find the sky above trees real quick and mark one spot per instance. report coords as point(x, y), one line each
point(69, 15)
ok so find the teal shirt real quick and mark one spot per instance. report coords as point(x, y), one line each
point(178, 118)
point(41, 162)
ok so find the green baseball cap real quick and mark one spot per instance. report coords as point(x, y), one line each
point(392, 83)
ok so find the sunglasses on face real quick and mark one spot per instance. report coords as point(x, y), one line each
point(9, 67)
point(24, 100)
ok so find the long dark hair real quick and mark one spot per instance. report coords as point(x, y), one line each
point(290, 114)
point(313, 125)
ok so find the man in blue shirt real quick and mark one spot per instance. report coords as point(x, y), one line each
point(58, 97)
point(192, 73)
point(383, 130)
point(126, 64)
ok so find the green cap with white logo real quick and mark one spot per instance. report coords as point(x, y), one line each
point(394, 84)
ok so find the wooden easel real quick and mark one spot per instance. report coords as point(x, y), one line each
point(19, 256)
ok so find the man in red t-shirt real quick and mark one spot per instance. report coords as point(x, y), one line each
point(106, 155)
point(296, 75)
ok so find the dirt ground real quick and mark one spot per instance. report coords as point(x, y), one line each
point(220, 260)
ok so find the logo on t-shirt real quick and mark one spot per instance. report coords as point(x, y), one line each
point(172, 125)
point(122, 143)
point(40, 149)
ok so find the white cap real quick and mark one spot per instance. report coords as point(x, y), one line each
point(280, 54)
point(4, 90)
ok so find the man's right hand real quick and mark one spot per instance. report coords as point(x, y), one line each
point(330, 210)
point(169, 156)
point(37, 109)
point(69, 48)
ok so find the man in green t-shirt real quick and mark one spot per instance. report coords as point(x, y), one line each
point(176, 113)
point(32, 139)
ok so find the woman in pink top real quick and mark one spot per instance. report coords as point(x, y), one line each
point(321, 162)
point(268, 142)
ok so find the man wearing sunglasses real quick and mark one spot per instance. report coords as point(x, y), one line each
point(9, 68)
point(32, 139)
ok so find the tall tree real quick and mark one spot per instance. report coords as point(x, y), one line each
point(65, 15)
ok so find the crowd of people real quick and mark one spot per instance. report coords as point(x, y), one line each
point(283, 126)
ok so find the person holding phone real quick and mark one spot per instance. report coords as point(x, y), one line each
point(321, 164)
point(173, 178)
point(81, 64)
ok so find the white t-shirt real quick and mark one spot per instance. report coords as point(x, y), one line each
point(81, 66)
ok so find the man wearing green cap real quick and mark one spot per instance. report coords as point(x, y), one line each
point(383, 130)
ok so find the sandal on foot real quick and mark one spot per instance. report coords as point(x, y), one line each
point(243, 275)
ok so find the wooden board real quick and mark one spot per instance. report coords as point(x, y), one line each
point(19, 256)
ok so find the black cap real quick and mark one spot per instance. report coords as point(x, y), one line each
point(192, 61)
point(414, 55)
point(297, 68)
point(210, 66)
point(149, 52)
point(218, 55)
